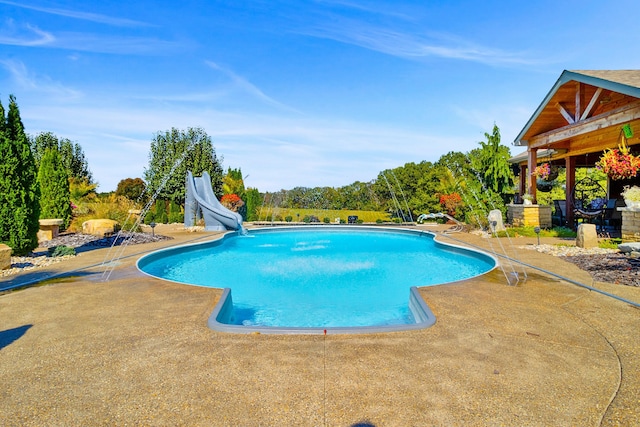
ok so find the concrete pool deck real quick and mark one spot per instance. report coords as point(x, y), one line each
point(136, 351)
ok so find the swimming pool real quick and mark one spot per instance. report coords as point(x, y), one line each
point(308, 279)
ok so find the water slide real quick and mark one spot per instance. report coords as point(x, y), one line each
point(200, 200)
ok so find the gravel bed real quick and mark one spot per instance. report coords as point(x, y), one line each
point(81, 242)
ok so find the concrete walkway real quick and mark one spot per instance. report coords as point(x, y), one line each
point(137, 351)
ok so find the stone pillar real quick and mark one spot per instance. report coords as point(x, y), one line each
point(529, 215)
point(630, 224)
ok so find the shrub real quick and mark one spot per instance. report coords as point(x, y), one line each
point(55, 201)
point(131, 188)
point(61, 250)
point(19, 190)
point(326, 220)
point(288, 218)
point(161, 212)
point(148, 218)
point(175, 215)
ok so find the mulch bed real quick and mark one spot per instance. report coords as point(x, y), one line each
point(611, 268)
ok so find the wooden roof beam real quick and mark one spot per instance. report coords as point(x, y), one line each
point(565, 113)
point(579, 101)
point(594, 99)
point(616, 117)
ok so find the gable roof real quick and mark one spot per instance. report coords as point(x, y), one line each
point(625, 82)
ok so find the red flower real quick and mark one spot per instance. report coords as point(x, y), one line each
point(231, 201)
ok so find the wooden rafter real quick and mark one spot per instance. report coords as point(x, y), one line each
point(565, 113)
point(579, 101)
point(594, 99)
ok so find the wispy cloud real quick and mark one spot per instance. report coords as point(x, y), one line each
point(122, 45)
point(414, 46)
point(85, 16)
point(391, 9)
point(31, 82)
point(27, 35)
point(248, 87)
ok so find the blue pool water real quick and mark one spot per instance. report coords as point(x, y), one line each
point(324, 277)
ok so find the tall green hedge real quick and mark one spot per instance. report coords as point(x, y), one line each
point(19, 190)
point(55, 199)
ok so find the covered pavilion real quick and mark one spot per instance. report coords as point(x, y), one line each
point(584, 113)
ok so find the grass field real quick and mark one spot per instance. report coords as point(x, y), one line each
point(281, 214)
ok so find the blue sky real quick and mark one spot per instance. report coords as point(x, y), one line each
point(298, 93)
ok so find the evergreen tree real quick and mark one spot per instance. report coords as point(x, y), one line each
point(196, 151)
point(492, 163)
point(19, 191)
point(160, 215)
point(175, 215)
point(72, 156)
point(55, 199)
point(252, 203)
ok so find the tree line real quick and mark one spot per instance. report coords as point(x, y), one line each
point(41, 174)
point(464, 185)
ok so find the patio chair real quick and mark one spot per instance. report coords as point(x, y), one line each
point(589, 201)
point(559, 215)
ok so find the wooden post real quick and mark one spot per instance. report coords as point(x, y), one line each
point(570, 165)
point(531, 179)
point(523, 180)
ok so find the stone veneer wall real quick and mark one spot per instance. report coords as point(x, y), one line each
point(529, 215)
point(630, 224)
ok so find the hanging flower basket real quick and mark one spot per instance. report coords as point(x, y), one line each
point(544, 185)
point(619, 163)
point(546, 172)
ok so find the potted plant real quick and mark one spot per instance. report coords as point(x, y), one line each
point(527, 199)
point(631, 196)
point(619, 163)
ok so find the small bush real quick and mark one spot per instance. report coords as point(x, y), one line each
point(378, 221)
point(288, 218)
point(175, 214)
point(149, 217)
point(326, 220)
point(61, 250)
point(609, 243)
point(161, 212)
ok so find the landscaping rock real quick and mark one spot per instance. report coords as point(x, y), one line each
point(586, 236)
point(5, 257)
point(100, 227)
point(629, 247)
point(49, 229)
point(495, 220)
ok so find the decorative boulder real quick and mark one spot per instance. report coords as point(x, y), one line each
point(629, 247)
point(5, 257)
point(587, 236)
point(100, 227)
point(495, 220)
point(49, 229)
